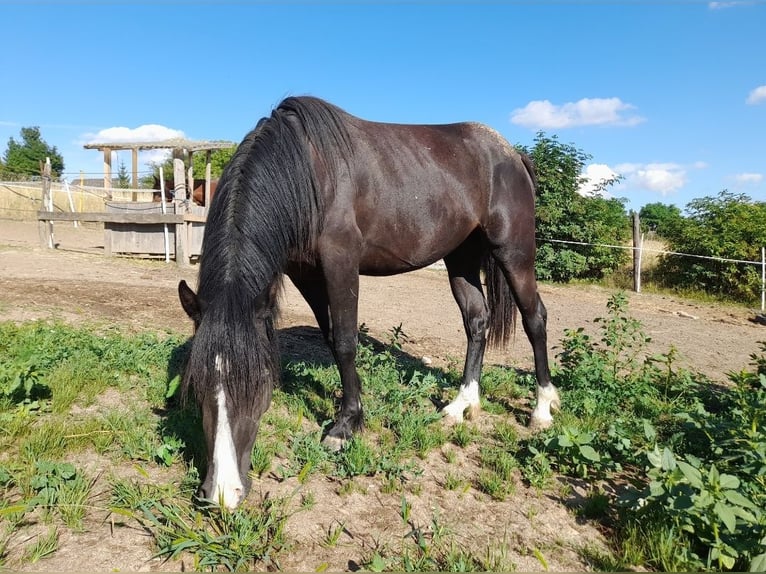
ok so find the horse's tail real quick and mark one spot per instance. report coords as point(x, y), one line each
point(502, 306)
point(530, 167)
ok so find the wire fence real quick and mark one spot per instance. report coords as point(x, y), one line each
point(651, 250)
point(29, 202)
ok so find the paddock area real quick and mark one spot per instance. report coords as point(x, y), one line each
point(76, 284)
point(140, 222)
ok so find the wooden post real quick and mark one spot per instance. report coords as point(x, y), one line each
point(135, 168)
point(763, 278)
point(163, 204)
point(179, 177)
point(637, 246)
point(46, 227)
point(208, 170)
point(108, 169)
point(180, 205)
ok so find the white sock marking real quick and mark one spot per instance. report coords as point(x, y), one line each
point(468, 396)
point(547, 400)
point(226, 481)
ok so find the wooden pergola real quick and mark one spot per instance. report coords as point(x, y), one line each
point(179, 146)
point(136, 221)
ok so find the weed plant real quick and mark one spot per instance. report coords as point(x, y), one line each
point(215, 537)
point(694, 454)
point(688, 457)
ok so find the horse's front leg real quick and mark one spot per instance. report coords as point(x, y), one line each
point(465, 282)
point(341, 271)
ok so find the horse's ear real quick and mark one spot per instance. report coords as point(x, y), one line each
point(189, 301)
point(266, 302)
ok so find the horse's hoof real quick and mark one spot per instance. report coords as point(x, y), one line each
point(538, 424)
point(473, 412)
point(456, 414)
point(451, 420)
point(333, 443)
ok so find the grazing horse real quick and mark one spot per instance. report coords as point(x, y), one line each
point(197, 194)
point(322, 196)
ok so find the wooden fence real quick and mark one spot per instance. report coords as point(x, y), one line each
point(151, 229)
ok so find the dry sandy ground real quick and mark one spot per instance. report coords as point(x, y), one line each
point(77, 283)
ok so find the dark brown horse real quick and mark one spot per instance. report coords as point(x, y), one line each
point(322, 196)
point(197, 194)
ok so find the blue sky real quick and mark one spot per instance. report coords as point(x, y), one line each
point(672, 96)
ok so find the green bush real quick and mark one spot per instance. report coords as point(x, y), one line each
point(727, 226)
point(695, 453)
point(562, 214)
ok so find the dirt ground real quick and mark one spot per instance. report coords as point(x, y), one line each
point(77, 283)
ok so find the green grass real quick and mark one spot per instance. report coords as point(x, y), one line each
point(42, 546)
point(433, 548)
point(691, 458)
point(54, 406)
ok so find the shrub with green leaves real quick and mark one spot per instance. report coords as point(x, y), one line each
point(696, 453)
point(580, 225)
point(730, 226)
point(611, 386)
point(713, 491)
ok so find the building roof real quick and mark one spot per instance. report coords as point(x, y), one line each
point(175, 143)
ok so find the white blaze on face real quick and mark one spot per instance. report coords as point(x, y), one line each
point(467, 398)
point(227, 484)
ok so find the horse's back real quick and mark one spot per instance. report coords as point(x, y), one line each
point(417, 192)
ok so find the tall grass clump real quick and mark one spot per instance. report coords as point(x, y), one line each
point(215, 538)
point(401, 424)
point(53, 406)
point(693, 453)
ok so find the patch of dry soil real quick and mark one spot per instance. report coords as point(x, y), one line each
point(76, 283)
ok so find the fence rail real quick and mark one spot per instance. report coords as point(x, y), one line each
point(650, 250)
point(30, 191)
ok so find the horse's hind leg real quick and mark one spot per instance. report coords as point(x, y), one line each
point(463, 266)
point(518, 267)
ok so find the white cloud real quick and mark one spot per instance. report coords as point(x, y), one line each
point(542, 114)
point(748, 178)
point(143, 133)
point(722, 5)
point(757, 95)
point(595, 175)
point(663, 178)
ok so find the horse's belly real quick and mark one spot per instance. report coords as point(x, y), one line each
point(380, 265)
point(401, 254)
point(408, 235)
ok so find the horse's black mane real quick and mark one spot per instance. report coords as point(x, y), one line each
point(267, 206)
point(267, 203)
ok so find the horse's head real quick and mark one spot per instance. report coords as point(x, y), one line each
point(232, 368)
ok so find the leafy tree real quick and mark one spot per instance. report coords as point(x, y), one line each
point(218, 160)
point(24, 157)
point(730, 226)
point(123, 178)
point(659, 217)
point(565, 215)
